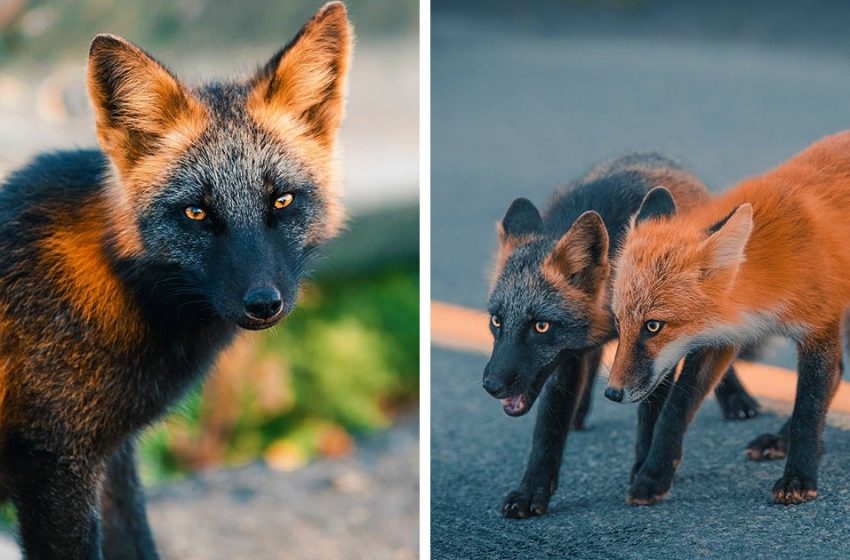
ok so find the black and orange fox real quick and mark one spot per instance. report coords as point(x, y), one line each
point(125, 270)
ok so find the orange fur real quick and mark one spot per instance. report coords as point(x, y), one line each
point(145, 119)
point(80, 267)
point(794, 268)
point(507, 245)
point(302, 101)
point(572, 270)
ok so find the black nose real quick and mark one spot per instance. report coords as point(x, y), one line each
point(613, 394)
point(493, 387)
point(262, 303)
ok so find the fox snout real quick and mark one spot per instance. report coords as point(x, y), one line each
point(497, 382)
point(264, 306)
point(632, 376)
point(262, 303)
point(614, 394)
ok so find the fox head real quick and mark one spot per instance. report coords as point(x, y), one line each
point(548, 297)
point(670, 284)
point(229, 186)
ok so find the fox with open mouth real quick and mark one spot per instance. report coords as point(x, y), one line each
point(550, 313)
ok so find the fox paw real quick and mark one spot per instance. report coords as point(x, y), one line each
point(767, 447)
point(648, 490)
point(794, 489)
point(738, 405)
point(526, 501)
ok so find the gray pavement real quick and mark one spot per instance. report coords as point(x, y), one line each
point(518, 108)
point(719, 507)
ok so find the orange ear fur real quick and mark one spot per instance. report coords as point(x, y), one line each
point(725, 246)
point(138, 104)
point(306, 80)
point(582, 253)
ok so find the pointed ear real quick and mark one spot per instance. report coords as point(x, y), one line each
point(138, 103)
point(581, 254)
point(306, 80)
point(522, 218)
point(658, 203)
point(725, 246)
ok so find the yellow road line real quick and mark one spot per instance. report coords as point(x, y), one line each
point(461, 328)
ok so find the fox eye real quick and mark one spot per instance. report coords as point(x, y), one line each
point(283, 201)
point(542, 326)
point(496, 322)
point(195, 213)
point(653, 326)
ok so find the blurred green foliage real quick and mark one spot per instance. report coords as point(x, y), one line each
point(43, 29)
point(347, 361)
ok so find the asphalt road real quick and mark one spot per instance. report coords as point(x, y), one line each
point(719, 507)
point(515, 113)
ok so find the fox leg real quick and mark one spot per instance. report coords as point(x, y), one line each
point(700, 372)
point(819, 367)
point(579, 422)
point(767, 447)
point(648, 411)
point(56, 501)
point(555, 414)
point(126, 534)
point(734, 400)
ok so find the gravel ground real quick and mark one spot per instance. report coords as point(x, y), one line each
point(362, 507)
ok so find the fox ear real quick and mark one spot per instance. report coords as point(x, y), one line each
point(306, 80)
point(658, 203)
point(137, 102)
point(582, 253)
point(522, 218)
point(729, 237)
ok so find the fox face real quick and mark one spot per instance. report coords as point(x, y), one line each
point(547, 298)
point(670, 284)
point(225, 189)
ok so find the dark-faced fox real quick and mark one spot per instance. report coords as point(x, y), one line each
point(123, 272)
point(550, 316)
point(765, 258)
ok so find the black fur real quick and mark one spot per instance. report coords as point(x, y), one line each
point(658, 203)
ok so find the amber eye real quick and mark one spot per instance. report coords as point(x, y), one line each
point(495, 321)
point(195, 213)
point(653, 326)
point(283, 201)
point(541, 326)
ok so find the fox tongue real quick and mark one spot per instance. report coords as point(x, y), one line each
point(514, 404)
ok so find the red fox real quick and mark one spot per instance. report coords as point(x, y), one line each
point(768, 257)
point(124, 271)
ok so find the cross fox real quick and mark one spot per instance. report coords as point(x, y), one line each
point(125, 270)
point(769, 257)
point(550, 315)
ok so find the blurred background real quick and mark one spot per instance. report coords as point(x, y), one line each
point(527, 96)
point(333, 392)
